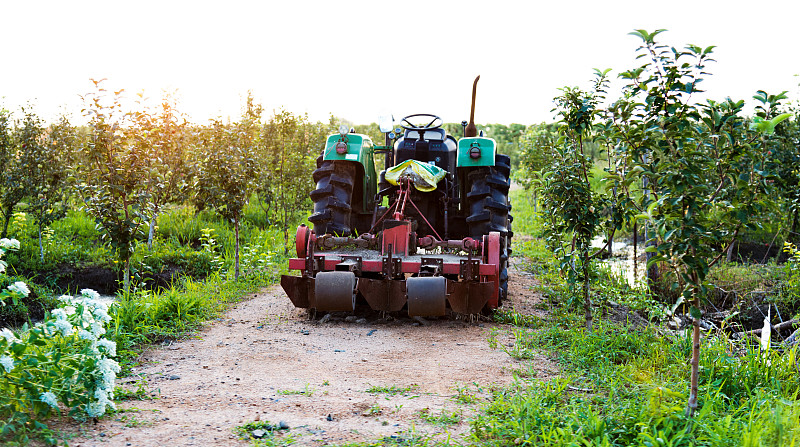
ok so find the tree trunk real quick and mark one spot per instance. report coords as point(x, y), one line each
point(7, 215)
point(729, 255)
point(152, 231)
point(286, 240)
point(126, 278)
point(41, 247)
point(652, 271)
point(793, 230)
point(236, 251)
point(635, 252)
point(587, 302)
point(610, 247)
point(691, 406)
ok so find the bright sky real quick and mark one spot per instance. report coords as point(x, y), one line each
point(358, 59)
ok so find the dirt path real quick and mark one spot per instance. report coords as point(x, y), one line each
point(266, 361)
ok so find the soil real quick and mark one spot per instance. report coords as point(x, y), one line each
point(343, 380)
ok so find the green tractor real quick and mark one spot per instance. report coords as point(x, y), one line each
point(430, 231)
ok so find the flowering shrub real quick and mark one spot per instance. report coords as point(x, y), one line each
point(61, 363)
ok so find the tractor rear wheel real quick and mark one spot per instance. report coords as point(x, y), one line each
point(490, 210)
point(332, 198)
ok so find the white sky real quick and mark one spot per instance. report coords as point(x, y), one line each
point(357, 59)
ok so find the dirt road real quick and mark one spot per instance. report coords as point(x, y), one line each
point(332, 382)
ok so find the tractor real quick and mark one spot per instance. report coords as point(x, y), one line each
point(428, 234)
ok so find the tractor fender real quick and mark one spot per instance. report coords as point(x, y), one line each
point(476, 151)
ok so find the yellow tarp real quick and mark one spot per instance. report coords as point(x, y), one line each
point(425, 176)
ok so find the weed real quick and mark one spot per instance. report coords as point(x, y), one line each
point(140, 393)
point(405, 439)
point(392, 390)
point(264, 434)
point(308, 390)
point(443, 418)
point(374, 410)
point(132, 420)
point(511, 316)
point(464, 395)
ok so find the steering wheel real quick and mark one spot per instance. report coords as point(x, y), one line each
point(430, 126)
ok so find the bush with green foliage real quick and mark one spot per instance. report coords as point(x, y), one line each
point(64, 361)
point(622, 386)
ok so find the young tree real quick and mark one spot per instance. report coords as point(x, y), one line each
point(26, 136)
point(46, 179)
point(289, 145)
point(111, 177)
point(577, 212)
point(161, 139)
point(704, 167)
point(225, 170)
point(784, 161)
point(6, 152)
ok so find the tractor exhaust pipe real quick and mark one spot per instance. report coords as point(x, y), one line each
point(471, 130)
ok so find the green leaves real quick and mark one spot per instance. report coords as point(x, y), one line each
point(647, 37)
point(767, 126)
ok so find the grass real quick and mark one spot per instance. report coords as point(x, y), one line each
point(443, 418)
point(308, 390)
point(392, 390)
point(623, 386)
point(139, 393)
point(408, 438)
point(628, 387)
point(266, 434)
point(464, 395)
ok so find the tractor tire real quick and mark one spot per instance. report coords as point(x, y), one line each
point(332, 198)
point(490, 210)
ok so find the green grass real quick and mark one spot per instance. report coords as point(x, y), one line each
point(443, 418)
point(308, 390)
point(392, 390)
point(273, 436)
point(527, 220)
point(625, 387)
point(408, 438)
point(622, 386)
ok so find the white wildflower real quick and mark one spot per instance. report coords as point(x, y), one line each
point(20, 288)
point(86, 335)
point(89, 293)
point(59, 313)
point(96, 409)
point(65, 298)
point(7, 362)
point(49, 398)
point(98, 329)
point(86, 317)
point(3, 265)
point(109, 345)
point(9, 244)
point(65, 327)
point(9, 336)
point(109, 369)
point(69, 310)
point(101, 313)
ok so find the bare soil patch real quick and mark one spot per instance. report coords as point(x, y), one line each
point(265, 360)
